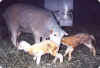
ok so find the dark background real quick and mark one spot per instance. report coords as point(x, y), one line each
point(85, 11)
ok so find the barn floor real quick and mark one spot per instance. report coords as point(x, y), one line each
point(10, 57)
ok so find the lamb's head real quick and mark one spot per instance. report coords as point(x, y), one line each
point(23, 45)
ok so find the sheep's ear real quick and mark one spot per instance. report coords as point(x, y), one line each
point(66, 34)
point(51, 31)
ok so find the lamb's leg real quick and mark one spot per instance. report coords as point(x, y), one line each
point(38, 59)
point(91, 47)
point(70, 54)
point(38, 56)
point(68, 49)
point(94, 51)
point(34, 58)
point(58, 55)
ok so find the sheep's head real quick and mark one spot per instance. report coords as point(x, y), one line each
point(56, 36)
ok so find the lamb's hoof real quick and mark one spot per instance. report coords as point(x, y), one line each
point(34, 58)
point(69, 59)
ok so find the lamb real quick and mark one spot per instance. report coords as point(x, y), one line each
point(73, 41)
point(39, 49)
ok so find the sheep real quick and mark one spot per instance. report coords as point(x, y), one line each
point(39, 49)
point(75, 40)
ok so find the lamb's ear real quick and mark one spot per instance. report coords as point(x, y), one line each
point(49, 46)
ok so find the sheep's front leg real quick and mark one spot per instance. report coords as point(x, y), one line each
point(36, 37)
